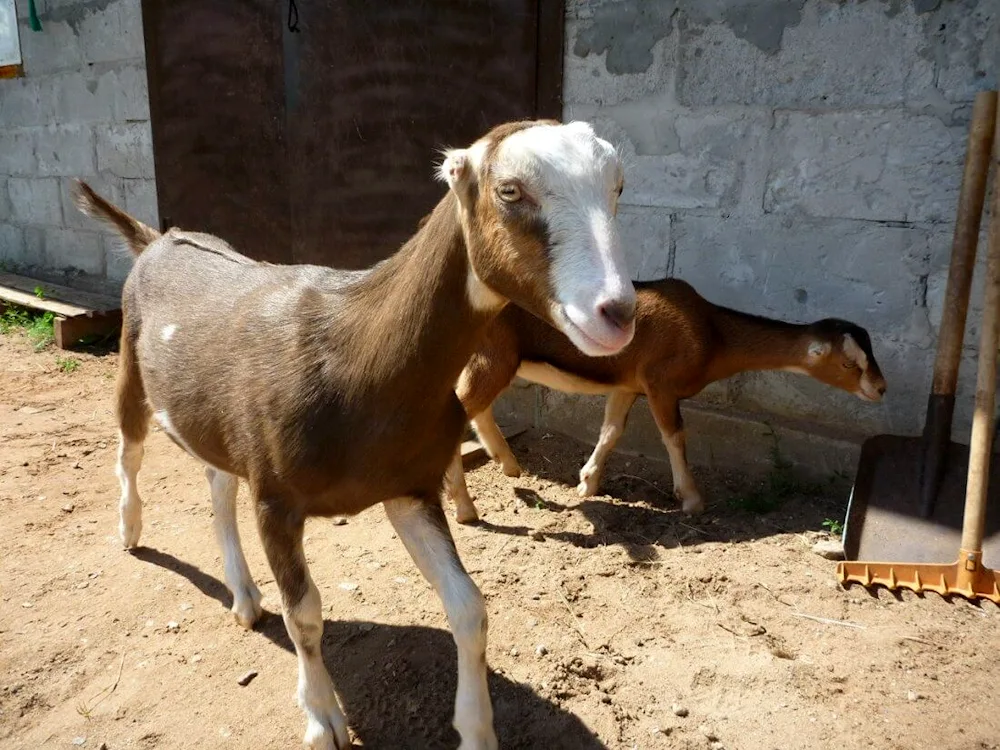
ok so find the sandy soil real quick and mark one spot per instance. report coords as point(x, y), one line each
point(606, 614)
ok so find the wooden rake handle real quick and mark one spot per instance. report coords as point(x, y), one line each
point(981, 444)
point(941, 402)
point(964, 241)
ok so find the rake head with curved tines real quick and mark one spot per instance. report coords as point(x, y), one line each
point(966, 577)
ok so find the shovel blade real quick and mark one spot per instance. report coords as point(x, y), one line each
point(884, 522)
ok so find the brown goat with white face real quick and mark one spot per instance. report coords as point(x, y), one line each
point(331, 391)
point(682, 343)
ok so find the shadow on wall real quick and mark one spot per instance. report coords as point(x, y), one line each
point(398, 683)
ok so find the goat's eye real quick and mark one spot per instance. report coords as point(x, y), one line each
point(849, 365)
point(509, 192)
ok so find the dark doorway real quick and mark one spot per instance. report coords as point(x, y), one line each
point(307, 131)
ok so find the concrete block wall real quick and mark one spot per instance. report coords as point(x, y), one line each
point(792, 158)
point(81, 110)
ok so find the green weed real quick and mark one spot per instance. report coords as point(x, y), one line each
point(38, 326)
point(67, 364)
point(835, 527)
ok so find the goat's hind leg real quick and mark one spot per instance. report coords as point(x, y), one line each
point(281, 534)
point(424, 531)
point(132, 412)
point(246, 595)
point(667, 413)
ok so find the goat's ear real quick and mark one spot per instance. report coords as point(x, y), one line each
point(819, 349)
point(456, 170)
point(855, 352)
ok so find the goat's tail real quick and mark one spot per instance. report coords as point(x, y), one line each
point(136, 234)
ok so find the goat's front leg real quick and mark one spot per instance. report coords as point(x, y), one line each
point(616, 410)
point(422, 527)
point(246, 595)
point(667, 413)
point(281, 533)
point(458, 490)
point(494, 442)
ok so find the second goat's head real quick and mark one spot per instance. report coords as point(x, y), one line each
point(840, 354)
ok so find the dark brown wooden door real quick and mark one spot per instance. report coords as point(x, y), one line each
point(317, 144)
point(217, 106)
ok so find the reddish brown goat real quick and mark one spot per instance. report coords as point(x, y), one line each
point(682, 343)
point(329, 391)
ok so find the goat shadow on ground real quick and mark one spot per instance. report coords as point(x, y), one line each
point(636, 508)
point(398, 683)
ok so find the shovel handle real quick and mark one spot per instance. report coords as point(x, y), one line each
point(941, 402)
point(984, 419)
point(963, 246)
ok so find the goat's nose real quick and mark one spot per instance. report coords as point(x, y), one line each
point(619, 313)
point(881, 389)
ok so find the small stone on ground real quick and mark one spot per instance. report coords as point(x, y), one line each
point(831, 549)
point(247, 678)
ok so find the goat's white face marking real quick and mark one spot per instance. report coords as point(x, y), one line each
point(564, 181)
point(575, 178)
point(168, 332)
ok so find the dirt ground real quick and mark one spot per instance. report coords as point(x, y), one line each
point(608, 616)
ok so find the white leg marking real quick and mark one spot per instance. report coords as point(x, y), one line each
point(424, 531)
point(168, 332)
point(616, 410)
point(493, 440)
point(326, 727)
point(458, 491)
point(130, 507)
point(246, 595)
point(685, 487)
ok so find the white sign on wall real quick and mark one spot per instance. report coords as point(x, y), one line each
point(10, 43)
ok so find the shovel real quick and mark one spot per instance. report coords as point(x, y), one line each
point(906, 506)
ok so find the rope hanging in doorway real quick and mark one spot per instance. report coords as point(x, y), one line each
point(293, 16)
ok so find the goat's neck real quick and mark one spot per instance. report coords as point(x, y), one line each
point(750, 342)
point(412, 323)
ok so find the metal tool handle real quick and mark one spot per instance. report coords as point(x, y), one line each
point(941, 402)
point(981, 443)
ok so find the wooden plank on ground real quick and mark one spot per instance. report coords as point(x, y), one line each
point(78, 314)
point(69, 331)
point(473, 449)
point(56, 298)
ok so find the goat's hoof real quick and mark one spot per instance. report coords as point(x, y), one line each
point(466, 515)
point(511, 470)
point(247, 609)
point(693, 507)
point(484, 741)
point(588, 483)
point(129, 534)
point(327, 732)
